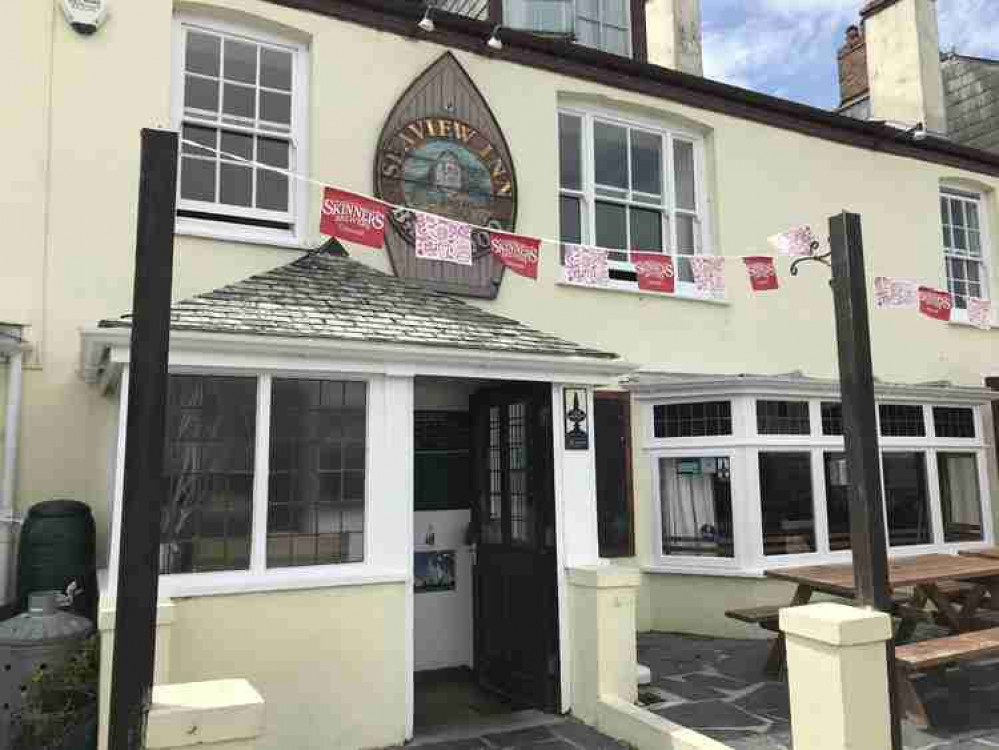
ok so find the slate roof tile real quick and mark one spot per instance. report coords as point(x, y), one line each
point(332, 297)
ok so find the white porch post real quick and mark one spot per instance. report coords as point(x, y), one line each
point(575, 486)
point(12, 417)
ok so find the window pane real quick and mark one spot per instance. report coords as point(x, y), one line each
point(570, 220)
point(272, 191)
point(275, 69)
point(696, 502)
point(236, 146)
point(236, 185)
point(240, 61)
point(239, 101)
point(570, 133)
point(698, 419)
point(275, 107)
point(683, 168)
point(611, 155)
point(614, 12)
point(837, 501)
point(197, 179)
point(902, 420)
point(646, 230)
point(832, 418)
point(788, 510)
point(615, 41)
point(960, 497)
point(206, 136)
point(954, 422)
point(202, 53)
point(201, 93)
point(587, 33)
point(906, 500)
point(612, 229)
point(208, 466)
point(646, 162)
point(686, 235)
point(782, 418)
point(317, 475)
point(273, 151)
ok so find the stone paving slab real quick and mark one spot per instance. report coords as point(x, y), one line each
point(717, 686)
point(560, 734)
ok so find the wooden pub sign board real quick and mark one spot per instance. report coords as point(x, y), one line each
point(442, 151)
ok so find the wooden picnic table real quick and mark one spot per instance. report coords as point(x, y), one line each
point(990, 553)
point(958, 587)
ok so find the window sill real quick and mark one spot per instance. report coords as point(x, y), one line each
point(965, 323)
point(286, 579)
point(684, 570)
point(237, 233)
point(634, 291)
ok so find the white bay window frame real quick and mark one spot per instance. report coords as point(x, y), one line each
point(295, 217)
point(588, 195)
point(745, 444)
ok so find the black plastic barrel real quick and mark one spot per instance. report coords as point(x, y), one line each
point(56, 548)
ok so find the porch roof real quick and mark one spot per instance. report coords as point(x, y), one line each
point(325, 296)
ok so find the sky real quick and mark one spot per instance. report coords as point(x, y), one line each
point(788, 47)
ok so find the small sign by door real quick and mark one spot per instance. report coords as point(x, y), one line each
point(577, 422)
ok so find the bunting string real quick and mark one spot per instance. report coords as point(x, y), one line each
point(362, 219)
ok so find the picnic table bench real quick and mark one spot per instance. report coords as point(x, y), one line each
point(958, 586)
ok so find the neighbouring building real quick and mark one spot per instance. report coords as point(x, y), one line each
point(356, 434)
point(891, 69)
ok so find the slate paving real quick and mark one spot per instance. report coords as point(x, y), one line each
point(557, 734)
point(717, 686)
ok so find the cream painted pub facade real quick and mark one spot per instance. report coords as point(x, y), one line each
point(355, 435)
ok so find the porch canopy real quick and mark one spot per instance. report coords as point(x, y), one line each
point(328, 305)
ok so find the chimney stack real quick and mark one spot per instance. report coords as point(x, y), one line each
point(673, 34)
point(852, 66)
point(903, 63)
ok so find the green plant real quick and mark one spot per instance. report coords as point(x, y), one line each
point(61, 703)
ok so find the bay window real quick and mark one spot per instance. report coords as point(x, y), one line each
point(747, 482)
point(627, 187)
point(300, 503)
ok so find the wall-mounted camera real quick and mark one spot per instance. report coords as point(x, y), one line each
point(85, 16)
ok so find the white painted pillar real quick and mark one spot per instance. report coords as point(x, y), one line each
point(576, 485)
point(837, 676)
point(15, 366)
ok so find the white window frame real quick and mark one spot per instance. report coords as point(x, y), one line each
point(977, 198)
point(745, 444)
point(703, 242)
point(296, 236)
point(385, 529)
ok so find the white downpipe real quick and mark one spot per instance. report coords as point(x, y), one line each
point(15, 365)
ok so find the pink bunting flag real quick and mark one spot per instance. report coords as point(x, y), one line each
point(585, 265)
point(709, 275)
point(519, 254)
point(935, 304)
point(441, 239)
point(655, 272)
point(794, 242)
point(980, 313)
point(889, 292)
point(352, 217)
point(762, 274)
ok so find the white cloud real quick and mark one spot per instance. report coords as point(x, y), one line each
point(971, 27)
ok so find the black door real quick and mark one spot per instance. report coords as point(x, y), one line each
point(516, 594)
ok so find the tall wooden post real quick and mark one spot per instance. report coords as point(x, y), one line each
point(860, 429)
point(144, 488)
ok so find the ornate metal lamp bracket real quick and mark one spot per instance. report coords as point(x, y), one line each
point(822, 258)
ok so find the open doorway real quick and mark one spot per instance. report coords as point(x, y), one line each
point(485, 611)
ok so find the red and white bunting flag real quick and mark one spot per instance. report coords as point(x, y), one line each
point(441, 239)
point(797, 241)
point(889, 292)
point(518, 253)
point(935, 304)
point(709, 275)
point(352, 217)
point(980, 313)
point(762, 273)
point(655, 272)
point(585, 265)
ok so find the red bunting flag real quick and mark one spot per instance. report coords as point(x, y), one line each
point(655, 272)
point(762, 274)
point(935, 304)
point(519, 254)
point(353, 218)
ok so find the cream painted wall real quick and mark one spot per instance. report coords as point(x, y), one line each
point(329, 663)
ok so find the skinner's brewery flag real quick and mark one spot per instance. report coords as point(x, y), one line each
point(655, 272)
point(518, 253)
point(352, 217)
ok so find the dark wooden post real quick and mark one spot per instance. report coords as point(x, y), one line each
point(860, 430)
point(138, 566)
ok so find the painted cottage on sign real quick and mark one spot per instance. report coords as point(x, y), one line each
point(557, 366)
